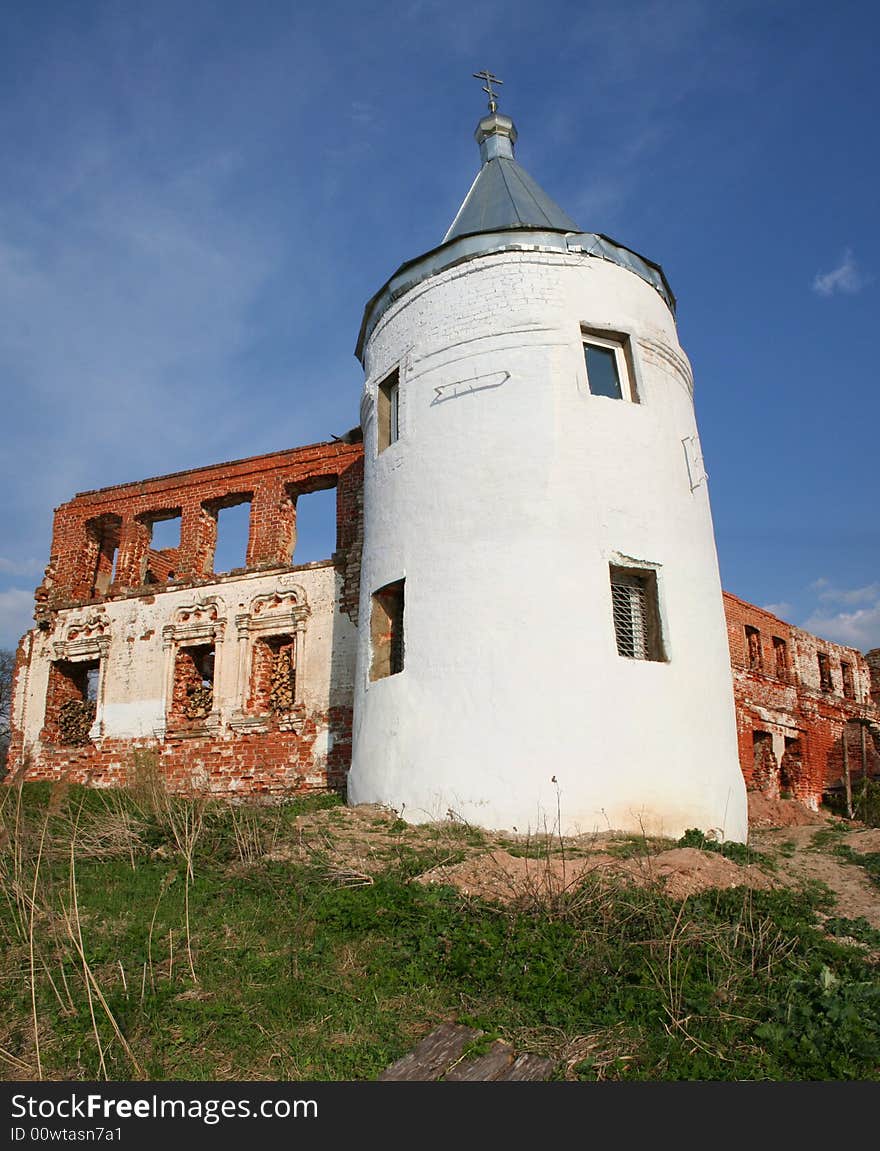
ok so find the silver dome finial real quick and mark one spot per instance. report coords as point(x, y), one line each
point(490, 79)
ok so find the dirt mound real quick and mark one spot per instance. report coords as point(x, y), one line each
point(508, 878)
point(686, 871)
point(766, 812)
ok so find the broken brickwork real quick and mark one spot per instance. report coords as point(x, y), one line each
point(807, 710)
point(239, 681)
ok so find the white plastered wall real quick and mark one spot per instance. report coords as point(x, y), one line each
point(509, 492)
point(135, 671)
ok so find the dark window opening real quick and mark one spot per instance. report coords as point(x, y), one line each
point(780, 657)
point(193, 690)
point(104, 534)
point(636, 613)
point(233, 533)
point(610, 365)
point(315, 525)
point(791, 769)
point(764, 769)
point(753, 649)
point(849, 687)
point(603, 376)
point(388, 410)
point(825, 681)
point(71, 701)
point(386, 631)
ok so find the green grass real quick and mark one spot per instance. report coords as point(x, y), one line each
point(299, 977)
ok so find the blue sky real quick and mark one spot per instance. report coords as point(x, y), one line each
point(198, 199)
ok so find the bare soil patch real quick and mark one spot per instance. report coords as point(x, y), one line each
point(355, 843)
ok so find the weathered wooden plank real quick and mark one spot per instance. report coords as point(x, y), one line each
point(434, 1055)
point(498, 1058)
point(528, 1068)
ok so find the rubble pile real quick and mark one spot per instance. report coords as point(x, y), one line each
point(75, 719)
point(282, 680)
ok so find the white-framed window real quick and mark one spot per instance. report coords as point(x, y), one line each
point(636, 613)
point(388, 410)
point(608, 364)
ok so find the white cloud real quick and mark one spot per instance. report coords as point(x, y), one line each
point(16, 615)
point(783, 609)
point(849, 616)
point(870, 594)
point(846, 278)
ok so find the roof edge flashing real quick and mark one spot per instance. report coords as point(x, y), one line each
point(475, 244)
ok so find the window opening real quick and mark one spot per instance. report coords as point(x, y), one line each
point(105, 534)
point(764, 767)
point(315, 526)
point(791, 768)
point(161, 559)
point(193, 692)
point(825, 682)
point(780, 657)
point(71, 701)
point(753, 649)
point(849, 687)
point(602, 374)
point(636, 613)
point(274, 675)
point(388, 410)
point(609, 365)
point(233, 533)
point(386, 631)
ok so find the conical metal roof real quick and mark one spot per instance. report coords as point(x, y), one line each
point(503, 203)
point(504, 195)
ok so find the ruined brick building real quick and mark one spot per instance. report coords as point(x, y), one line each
point(808, 711)
point(522, 614)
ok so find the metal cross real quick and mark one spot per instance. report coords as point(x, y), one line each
point(487, 87)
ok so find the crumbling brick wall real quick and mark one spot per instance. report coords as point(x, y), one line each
point(108, 531)
point(153, 619)
point(793, 709)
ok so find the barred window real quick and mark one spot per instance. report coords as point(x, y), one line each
point(635, 612)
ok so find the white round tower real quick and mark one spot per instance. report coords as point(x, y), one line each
point(542, 639)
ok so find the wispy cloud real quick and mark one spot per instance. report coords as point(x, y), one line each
point(856, 623)
point(868, 594)
point(783, 609)
point(846, 278)
point(124, 318)
point(16, 615)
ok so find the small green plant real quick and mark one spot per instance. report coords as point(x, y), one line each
point(737, 852)
point(859, 929)
point(830, 836)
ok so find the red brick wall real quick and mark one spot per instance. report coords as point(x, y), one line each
point(273, 763)
point(269, 482)
point(794, 706)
